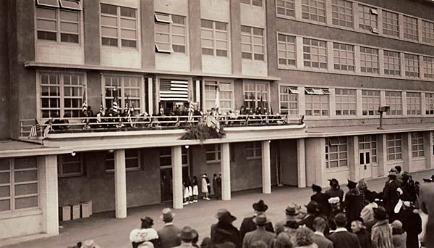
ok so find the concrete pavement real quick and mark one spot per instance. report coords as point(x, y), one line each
point(109, 232)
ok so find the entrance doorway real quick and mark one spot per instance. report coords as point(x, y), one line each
point(166, 171)
point(365, 167)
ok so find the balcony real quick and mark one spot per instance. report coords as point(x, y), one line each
point(98, 133)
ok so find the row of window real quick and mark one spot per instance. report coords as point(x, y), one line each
point(344, 12)
point(317, 102)
point(315, 55)
point(119, 28)
point(336, 149)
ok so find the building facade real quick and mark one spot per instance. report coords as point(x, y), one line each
point(330, 63)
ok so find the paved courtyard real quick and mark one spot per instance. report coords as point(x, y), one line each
point(109, 232)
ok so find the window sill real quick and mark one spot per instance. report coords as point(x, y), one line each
point(339, 169)
point(20, 213)
point(418, 158)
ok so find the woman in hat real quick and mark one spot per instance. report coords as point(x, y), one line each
point(390, 194)
point(223, 231)
point(381, 234)
point(411, 223)
point(145, 234)
point(322, 200)
point(335, 190)
point(353, 202)
point(205, 186)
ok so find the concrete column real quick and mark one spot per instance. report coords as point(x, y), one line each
point(301, 163)
point(401, 26)
point(381, 61)
point(357, 57)
point(235, 12)
point(47, 167)
point(356, 16)
point(226, 171)
point(299, 52)
point(381, 156)
point(150, 96)
point(91, 37)
point(147, 33)
point(406, 151)
point(404, 103)
point(297, 6)
point(198, 91)
point(353, 157)
point(359, 103)
point(266, 169)
point(423, 103)
point(194, 26)
point(329, 9)
point(301, 101)
point(120, 184)
point(332, 102)
point(402, 64)
point(315, 161)
point(177, 176)
point(330, 56)
point(428, 144)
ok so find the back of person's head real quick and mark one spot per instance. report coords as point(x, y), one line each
point(147, 222)
point(282, 241)
point(206, 243)
point(396, 227)
point(340, 220)
point(303, 236)
point(319, 224)
point(259, 244)
point(196, 236)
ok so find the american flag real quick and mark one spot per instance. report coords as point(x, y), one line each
point(171, 90)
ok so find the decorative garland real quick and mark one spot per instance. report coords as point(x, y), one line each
point(202, 132)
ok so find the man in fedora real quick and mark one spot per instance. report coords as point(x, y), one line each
point(248, 223)
point(260, 234)
point(291, 221)
point(223, 231)
point(186, 236)
point(390, 194)
point(353, 202)
point(168, 234)
point(312, 209)
point(322, 199)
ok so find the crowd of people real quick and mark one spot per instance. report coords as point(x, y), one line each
point(358, 218)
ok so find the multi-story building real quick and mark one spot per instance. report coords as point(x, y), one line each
point(332, 63)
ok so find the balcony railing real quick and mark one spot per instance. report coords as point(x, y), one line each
point(34, 129)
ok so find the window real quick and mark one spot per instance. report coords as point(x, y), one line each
point(390, 23)
point(411, 65)
point(62, 94)
point(69, 166)
point(213, 153)
point(288, 100)
point(132, 160)
point(394, 100)
point(346, 101)
point(252, 2)
point(314, 10)
point(317, 102)
point(255, 95)
point(336, 152)
point(214, 38)
point(170, 33)
point(166, 158)
point(417, 147)
point(368, 18)
point(414, 103)
point(127, 91)
point(219, 94)
point(18, 184)
point(252, 43)
point(369, 60)
point(427, 32)
point(394, 146)
point(343, 57)
point(286, 50)
point(285, 8)
point(428, 67)
point(429, 100)
point(59, 24)
point(392, 63)
point(253, 150)
point(118, 26)
point(315, 53)
point(411, 30)
point(342, 13)
point(370, 102)
point(369, 142)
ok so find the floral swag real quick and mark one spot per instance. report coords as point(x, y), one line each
point(207, 128)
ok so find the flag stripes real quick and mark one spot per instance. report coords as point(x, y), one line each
point(173, 90)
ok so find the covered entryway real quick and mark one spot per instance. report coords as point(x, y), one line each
point(166, 178)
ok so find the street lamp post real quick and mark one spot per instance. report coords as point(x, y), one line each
point(382, 110)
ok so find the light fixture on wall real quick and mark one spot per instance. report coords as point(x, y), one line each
point(186, 146)
point(73, 154)
point(111, 151)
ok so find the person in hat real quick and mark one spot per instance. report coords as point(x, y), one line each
point(322, 200)
point(223, 231)
point(145, 234)
point(260, 234)
point(411, 223)
point(312, 209)
point(248, 223)
point(291, 219)
point(335, 190)
point(205, 186)
point(168, 234)
point(353, 202)
point(390, 194)
point(341, 237)
point(186, 236)
point(381, 233)
point(408, 188)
